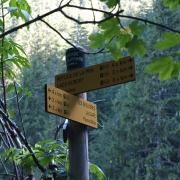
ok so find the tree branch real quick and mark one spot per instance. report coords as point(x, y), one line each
point(38, 18)
point(3, 165)
point(93, 11)
point(126, 16)
point(2, 58)
point(20, 116)
point(13, 125)
point(5, 174)
point(67, 41)
point(58, 129)
point(146, 21)
point(10, 144)
point(110, 15)
point(1, 136)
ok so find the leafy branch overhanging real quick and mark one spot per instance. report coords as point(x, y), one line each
point(109, 15)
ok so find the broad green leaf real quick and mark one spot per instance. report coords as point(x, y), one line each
point(164, 66)
point(122, 39)
point(168, 40)
point(172, 4)
point(4, 1)
point(176, 71)
point(110, 24)
point(107, 30)
point(115, 48)
point(97, 40)
point(166, 72)
point(136, 29)
point(116, 52)
point(94, 169)
point(158, 64)
point(136, 47)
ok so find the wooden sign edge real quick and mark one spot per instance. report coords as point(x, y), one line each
point(45, 87)
point(127, 57)
point(100, 87)
point(45, 97)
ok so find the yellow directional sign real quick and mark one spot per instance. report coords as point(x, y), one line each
point(69, 106)
point(97, 76)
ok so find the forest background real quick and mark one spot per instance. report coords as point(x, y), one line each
point(139, 122)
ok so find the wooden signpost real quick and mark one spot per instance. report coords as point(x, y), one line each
point(69, 106)
point(97, 76)
point(77, 80)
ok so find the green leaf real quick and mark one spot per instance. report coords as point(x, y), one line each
point(110, 24)
point(164, 66)
point(114, 49)
point(44, 142)
point(28, 93)
point(26, 15)
point(107, 31)
point(4, 1)
point(8, 152)
point(10, 87)
point(179, 76)
point(176, 71)
point(158, 64)
point(168, 40)
point(97, 40)
point(172, 4)
point(110, 3)
point(122, 39)
point(166, 72)
point(1, 25)
point(178, 51)
point(45, 160)
point(94, 169)
point(14, 55)
point(10, 73)
point(11, 113)
point(135, 28)
point(116, 53)
point(136, 47)
point(23, 9)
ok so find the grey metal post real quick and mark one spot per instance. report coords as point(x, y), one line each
point(77, 134)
